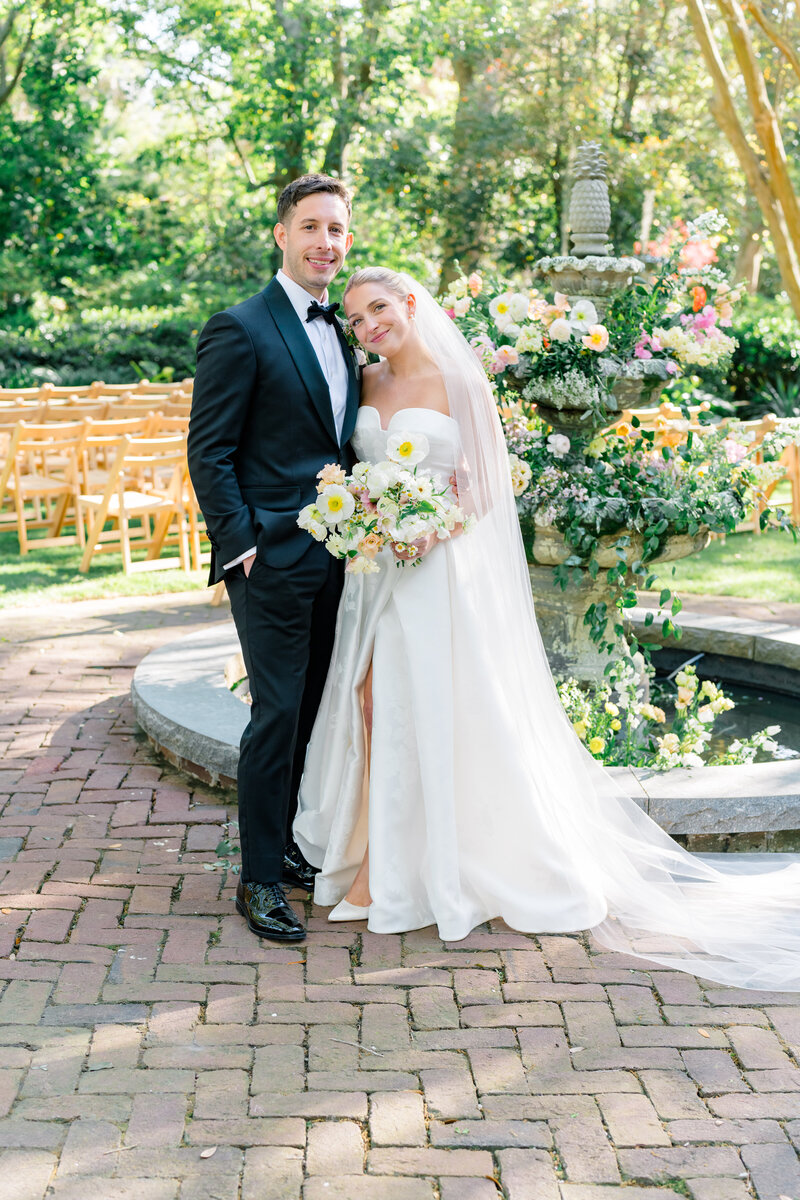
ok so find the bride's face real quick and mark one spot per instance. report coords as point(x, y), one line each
point(379, 318)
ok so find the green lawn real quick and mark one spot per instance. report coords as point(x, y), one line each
point(757, 568)
point(52, 574)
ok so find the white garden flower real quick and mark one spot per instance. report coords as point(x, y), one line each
point(419, 487)
point(521, 473)
point(772, 730)
point(692, 760)
point(336, 545)
point(582, 315)
point(518, 305)
point(529, 340)
point(361, 565)
point(558, 444)
point(560, 330)
point(335, 504)
point(499, 308)
point(408, 449)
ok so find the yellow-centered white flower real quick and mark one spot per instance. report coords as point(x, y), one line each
point(408, 449)
point(335, 504)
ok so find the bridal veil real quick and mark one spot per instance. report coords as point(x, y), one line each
point(737, 925)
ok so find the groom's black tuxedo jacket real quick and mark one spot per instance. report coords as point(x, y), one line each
point(261, 428)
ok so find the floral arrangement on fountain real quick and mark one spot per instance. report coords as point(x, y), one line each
point(624, 731)
point(564, 355)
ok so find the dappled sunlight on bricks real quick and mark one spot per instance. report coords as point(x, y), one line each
point(141, 1023)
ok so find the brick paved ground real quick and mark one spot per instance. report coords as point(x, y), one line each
point(152, 1049)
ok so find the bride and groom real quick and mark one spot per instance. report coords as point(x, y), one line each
point(406, 737)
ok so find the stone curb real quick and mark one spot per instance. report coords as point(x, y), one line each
point(183, 704)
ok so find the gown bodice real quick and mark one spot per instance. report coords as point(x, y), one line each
point(370, 438)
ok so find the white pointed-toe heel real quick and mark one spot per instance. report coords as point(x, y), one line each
point(345, 911)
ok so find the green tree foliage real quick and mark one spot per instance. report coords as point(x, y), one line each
point(146, 141)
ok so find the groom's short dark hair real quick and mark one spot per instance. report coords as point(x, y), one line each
point(307, 185)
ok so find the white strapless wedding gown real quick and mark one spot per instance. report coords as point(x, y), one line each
point(454, 838)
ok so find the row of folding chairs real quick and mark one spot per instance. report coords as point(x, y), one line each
point(121, 485)
point(96, 390)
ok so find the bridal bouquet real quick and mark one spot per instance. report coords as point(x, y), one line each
point(394, 503)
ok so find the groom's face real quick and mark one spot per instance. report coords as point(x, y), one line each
point(315, 240)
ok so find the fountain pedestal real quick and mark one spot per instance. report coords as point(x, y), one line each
point(560, 614)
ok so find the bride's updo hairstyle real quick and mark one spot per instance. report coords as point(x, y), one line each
point(390, 279)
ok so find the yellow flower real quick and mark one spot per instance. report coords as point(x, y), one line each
point(596, 447)
point(612, 709)
point(597, 745)
point(616, 725)
point(580, 729)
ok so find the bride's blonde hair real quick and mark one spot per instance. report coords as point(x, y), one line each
point(390, 279)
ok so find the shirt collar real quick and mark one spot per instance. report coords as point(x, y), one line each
point(298, 295)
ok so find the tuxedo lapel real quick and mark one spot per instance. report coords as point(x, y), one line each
point(353, 388)
point(297, 343)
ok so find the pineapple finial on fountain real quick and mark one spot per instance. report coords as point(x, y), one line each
point(589, 207)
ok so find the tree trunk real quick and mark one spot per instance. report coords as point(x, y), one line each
point(759, 175)
point(751, 251)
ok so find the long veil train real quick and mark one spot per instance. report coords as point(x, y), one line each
point(737, 926)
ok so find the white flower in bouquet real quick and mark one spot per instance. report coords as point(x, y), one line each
point(529, 340)
point(376, 481)
point(360, 472)
point(410, 529)
point(521, 473)
point(361, 565)
point(461, 307)
point(560, 330)
point(582, 315)
point(408, 449)
point(419, 487)
point(558, 444)
point(310, 519)
point(336, 504)
point(336, 545)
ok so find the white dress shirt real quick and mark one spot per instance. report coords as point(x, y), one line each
point(327, 347)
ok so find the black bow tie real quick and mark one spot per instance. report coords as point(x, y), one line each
point(326, 311)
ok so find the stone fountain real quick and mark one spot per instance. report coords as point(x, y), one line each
point(591, 272)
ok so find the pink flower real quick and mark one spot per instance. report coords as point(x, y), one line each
point(475, 283)
point(504, 356)
point(640, 350)
point(451, 312)
point(596, 338)
point(734, 451)
point(672, 367)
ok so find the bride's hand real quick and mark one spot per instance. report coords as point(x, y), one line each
point(421, 545)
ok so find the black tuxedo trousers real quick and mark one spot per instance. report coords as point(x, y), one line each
point(286, 619)
point(261, 428)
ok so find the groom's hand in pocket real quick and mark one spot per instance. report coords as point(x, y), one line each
point(247, 563)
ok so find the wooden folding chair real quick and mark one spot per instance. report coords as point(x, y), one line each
point(42, 492)
point(17, 395)
point(49, 391)
point(67, 411)
point(166, 423)
point(145, 483)
point(100, 444)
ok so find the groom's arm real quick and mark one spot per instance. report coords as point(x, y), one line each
point(224, 381)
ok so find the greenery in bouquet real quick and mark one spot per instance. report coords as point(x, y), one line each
point(557, 351)
point(625, 731)
point(395, 504)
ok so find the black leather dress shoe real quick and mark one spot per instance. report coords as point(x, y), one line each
point(296, 871)
point(268, 912)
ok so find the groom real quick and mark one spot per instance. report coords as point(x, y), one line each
point(275, 399)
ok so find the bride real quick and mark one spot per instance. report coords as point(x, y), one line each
point(443, 782)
